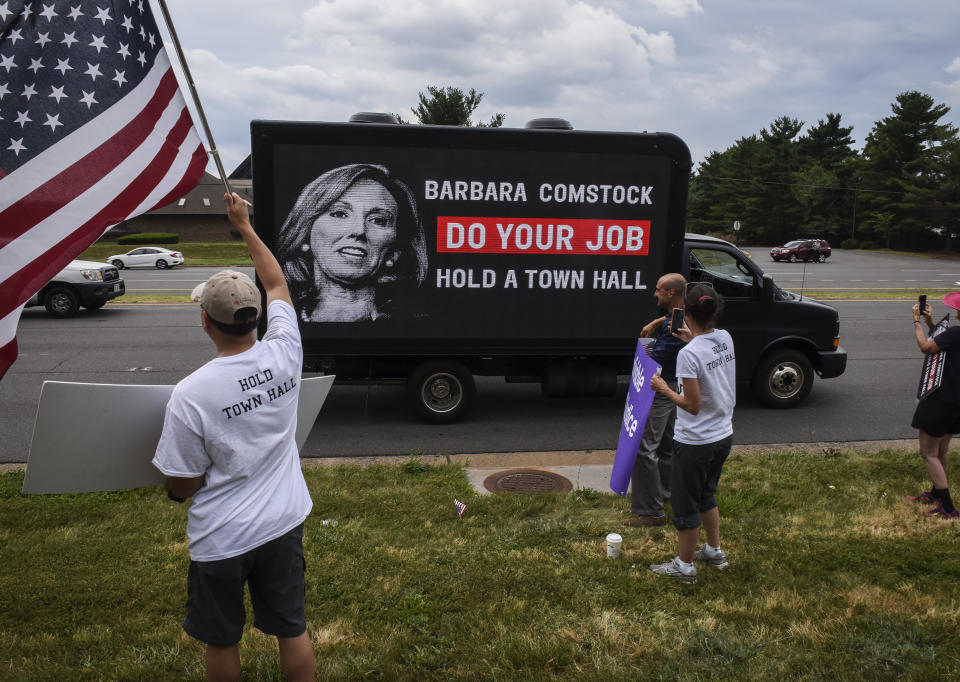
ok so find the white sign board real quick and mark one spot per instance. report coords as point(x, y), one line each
point(96, 437)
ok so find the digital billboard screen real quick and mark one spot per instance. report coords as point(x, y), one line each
point(449, 234)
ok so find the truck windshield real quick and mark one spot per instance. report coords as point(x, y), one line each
point(724, 271)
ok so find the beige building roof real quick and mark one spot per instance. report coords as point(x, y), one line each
point(207, 197)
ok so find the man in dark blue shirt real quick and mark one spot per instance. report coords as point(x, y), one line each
point(650, 482)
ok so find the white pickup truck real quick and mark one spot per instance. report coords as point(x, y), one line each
point(82, 283)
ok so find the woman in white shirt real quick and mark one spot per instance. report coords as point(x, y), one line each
point(703, 434)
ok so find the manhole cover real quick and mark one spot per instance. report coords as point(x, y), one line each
point(527, 481)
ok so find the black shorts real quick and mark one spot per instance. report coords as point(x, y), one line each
point(936, 417)
point(274, 571)
point(694, 475)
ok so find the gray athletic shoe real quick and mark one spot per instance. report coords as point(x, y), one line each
point(672, 569)
point(718, 560)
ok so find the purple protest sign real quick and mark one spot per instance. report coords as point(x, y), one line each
point(639, 399)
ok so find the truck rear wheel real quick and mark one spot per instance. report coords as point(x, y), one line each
point(783, 378)
point(61, 301)
point(441, 390)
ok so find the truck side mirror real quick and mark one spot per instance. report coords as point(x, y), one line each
point(767, 294)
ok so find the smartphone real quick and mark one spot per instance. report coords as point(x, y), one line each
point(922, 300)
point(676, 322)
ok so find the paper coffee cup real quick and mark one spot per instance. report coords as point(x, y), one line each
point(613, 545)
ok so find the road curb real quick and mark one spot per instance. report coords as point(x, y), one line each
point(567, 458)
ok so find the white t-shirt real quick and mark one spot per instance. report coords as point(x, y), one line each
point(235, 420)
point(709, 359)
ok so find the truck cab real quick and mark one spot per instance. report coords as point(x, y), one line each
point(81, 283)
point(782, 340)
point(530, 254)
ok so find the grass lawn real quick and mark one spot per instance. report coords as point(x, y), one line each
point(871, 294)
point(212, 254)
point(833, 575)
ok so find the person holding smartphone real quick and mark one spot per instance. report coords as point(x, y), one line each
point(937, 416)
point(703, 434)
point(650, 480)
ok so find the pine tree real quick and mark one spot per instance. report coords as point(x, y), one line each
point(451, 106)
point(902, 169)
point(775, 166)
point(821, 186)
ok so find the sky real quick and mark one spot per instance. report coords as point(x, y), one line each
point(709, 71)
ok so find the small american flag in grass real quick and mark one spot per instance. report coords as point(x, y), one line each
point(461, 507)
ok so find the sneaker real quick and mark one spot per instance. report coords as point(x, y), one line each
point(718, 560)
point(926, 497)
point(645, 521)
point(941, 513)
point(672, 569)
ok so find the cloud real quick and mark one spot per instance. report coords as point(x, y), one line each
point(536, 58)
point(677, 8)
point(509, 43)
point(747, 67)
point(952, 88)
point(709, 72)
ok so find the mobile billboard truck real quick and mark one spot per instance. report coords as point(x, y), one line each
point(430, 254)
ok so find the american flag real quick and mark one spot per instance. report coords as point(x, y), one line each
point(93, 130)
point(461, 507)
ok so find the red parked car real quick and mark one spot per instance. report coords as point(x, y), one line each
point(802, 249)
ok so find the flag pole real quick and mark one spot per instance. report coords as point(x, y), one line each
point(196, 98)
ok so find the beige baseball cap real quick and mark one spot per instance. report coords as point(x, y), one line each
point(225, 293)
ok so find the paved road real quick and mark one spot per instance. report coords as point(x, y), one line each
point(159, 345)
point(860, 270)
point(843, 271)
point(177, 280)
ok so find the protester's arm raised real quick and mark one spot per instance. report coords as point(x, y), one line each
point(267, 267)
point(927, 346)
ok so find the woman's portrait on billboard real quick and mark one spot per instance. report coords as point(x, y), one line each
point(352, 245)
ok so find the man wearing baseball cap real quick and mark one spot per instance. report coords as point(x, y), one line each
point(228, 442)
point(938, 414)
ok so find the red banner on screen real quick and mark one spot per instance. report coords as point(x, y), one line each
point(543, 236)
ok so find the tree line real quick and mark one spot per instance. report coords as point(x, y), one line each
point(902, 191)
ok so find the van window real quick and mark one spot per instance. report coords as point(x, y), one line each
point(724, 271)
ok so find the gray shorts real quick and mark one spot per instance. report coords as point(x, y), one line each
point(694, 475)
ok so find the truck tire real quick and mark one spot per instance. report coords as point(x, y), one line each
point(441, 391)
point(61, 301)
point(783, 378)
